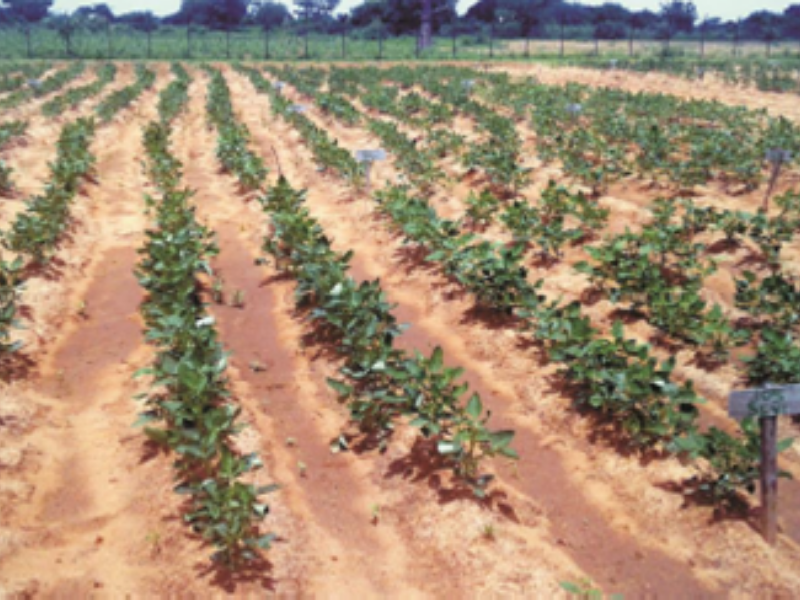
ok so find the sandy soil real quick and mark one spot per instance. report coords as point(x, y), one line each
point(86, 508)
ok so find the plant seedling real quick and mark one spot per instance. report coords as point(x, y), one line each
point(238, 299)
point(217, 290)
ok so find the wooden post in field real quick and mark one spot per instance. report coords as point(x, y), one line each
point(561, 39)
point(454, 41)
point(630, 41)
point(28, 41)
point(703, 38)
point(266, 44)
point(766, 404)
point(380, 44)
point(228, 41)
point(368, 158)
point(108, 39)
point(149, 43)
point(491, 39)
point(189, 41)
point(344, 42)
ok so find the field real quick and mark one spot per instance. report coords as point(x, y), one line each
point(202, 291)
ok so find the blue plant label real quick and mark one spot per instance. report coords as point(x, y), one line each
point(370, 155)
point(765, 402)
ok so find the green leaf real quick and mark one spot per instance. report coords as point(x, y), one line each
point(437, 359)
point(340, 388)
point(474, 407)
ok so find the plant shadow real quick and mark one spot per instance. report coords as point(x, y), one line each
point(256, 572)
point(735, 509)
point(424, 464)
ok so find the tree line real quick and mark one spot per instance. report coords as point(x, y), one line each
point(375, 18)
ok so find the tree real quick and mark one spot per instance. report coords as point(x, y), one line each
point(762, 25)
point(31, 11)
point(791, 21)
point(269, 15)
point(66, 27)
point(140, 20)
point(215, 14)
point(678, 15)
point(313, 10)
point(402, 17)
point(97, 11)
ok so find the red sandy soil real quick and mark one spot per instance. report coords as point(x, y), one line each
point(87, 508)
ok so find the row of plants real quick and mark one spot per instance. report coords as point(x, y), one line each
point(496, 275)
point(326, 150)
point(15, 75)
point(762, 74)
point(189, 408)
point(39, 89)
point(418, 162)
point(37, 230)
point(379, 382)
point(614, 377)
point(233, 137)
point(8, 132)
point(601, 135)
point(35, 233)
point(72, 98)
point(498, 151)
point(114, 103)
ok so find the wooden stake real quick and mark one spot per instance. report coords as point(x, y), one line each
point(769, 478)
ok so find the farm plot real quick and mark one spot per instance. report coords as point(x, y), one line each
point(500, 370)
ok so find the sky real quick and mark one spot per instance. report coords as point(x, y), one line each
point(726, 9)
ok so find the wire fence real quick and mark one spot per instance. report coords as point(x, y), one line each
point(182, 43)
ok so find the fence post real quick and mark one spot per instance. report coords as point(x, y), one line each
point(266, 44)
point(702, 42)
point(189, 41)
point(228, 41)
point(344, 42)
point(28, 41)
point(108, 39)
point(630, 41)
point(561, 41)
point(380, 45)
point(491, 40)
point(454, 41)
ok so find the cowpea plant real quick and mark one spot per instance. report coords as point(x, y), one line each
point(233, 137)
point(9, 291)
point(72, 98)
point(379, 382)
point(615, 377)
point(189, 408)
point(36, 231)
point(114, 103)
